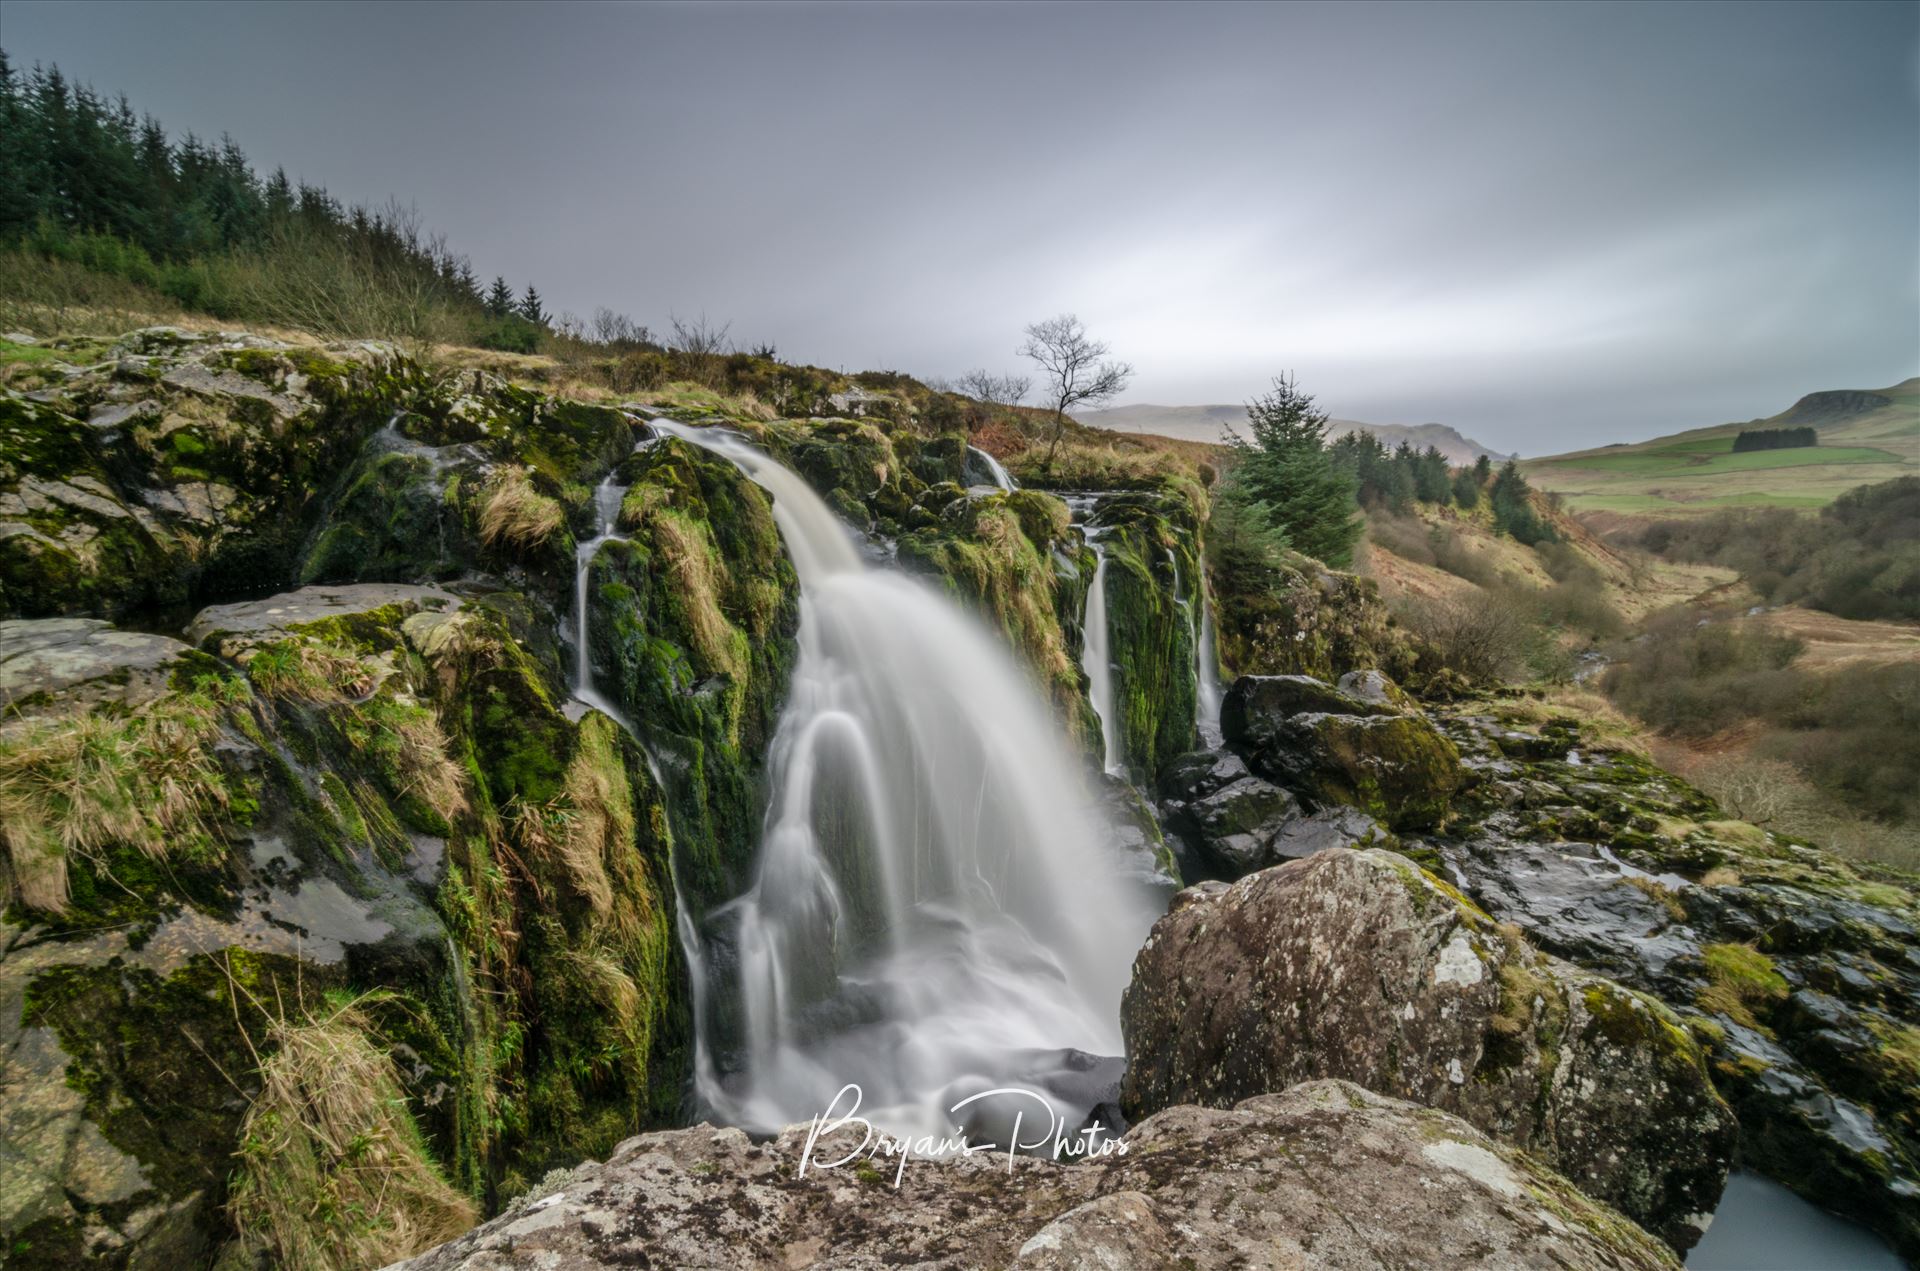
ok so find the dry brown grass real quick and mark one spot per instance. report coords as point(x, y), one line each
point(689, 555)
point(86, 783)
point(426, 770)
point(333, 1175)
point(517, 516)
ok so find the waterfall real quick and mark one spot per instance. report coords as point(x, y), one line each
point(1207, 673)
point(1096, 659)
point(996, 470)
point(606, 505)
point(933, 911)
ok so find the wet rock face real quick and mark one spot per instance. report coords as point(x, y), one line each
point(1799, 972)
point(1231, 823)
point(1325, 1175)
point(1337, 748)
point(1358, 965)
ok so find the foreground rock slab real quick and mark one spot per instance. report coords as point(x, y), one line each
point(1360, 966)
point(1325, 1175)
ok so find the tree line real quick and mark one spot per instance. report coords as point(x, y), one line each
point(1774, 439)
point(87, 181)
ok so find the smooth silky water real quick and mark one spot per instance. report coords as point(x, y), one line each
point(936, 910)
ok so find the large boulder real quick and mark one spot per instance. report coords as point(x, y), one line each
point(1359, 965)
point(177, 466)
point(1326, 1175)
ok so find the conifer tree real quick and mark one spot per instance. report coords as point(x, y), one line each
point(1285, 468)
point(499, 298)
point(530, 307)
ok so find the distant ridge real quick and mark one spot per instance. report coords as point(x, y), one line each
point(1209, 424)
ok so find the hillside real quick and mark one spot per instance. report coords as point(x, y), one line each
point(1865, 436)
point(1209, 424)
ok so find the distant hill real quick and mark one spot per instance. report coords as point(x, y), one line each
point(1209, 424)
point(1865, 436)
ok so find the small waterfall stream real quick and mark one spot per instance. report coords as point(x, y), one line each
point(606, 503)
point(1207, 674)
point(934, 911)
point(995, 469)
point(1096, 659)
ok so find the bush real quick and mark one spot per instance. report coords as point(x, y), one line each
point(1472, 637)
point(1860, 558)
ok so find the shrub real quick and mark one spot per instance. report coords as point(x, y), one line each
point(1485, 642)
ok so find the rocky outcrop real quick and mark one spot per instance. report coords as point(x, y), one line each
point(1231, 823)
point(1337, 748)
point(178, 467)
point(1360, 966)
point(1325, 1175)
point(1301, 618)
point(1801, 973)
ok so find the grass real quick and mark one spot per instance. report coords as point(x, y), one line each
point(90, 782)
point(333, 1175)
point(306, 671)
point(697, 574)
point(515, 515)
point(1739, 978)
point(1697, 471)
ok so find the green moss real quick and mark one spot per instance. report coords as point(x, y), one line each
point(1740, 979)
point(693, 627)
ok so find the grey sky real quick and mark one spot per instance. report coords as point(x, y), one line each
point(1548, 226)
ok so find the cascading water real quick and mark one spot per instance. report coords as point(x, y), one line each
point(1207, 671)
point(1096, 659)
point(996, 470)
point(934, 912)
point(606, 505)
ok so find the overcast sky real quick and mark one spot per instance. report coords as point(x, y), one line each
point(1548, 226)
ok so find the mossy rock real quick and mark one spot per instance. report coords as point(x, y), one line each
point(1397, 769)
point(693, 625)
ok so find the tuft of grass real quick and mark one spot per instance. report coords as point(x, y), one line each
point(1661, 895)
point(1720, 876)
point(90, 782)
point(308, 671)
point(408, 739)
point(333, 1174)
point(515, 515)
point(1740, 978)
point(698, 578)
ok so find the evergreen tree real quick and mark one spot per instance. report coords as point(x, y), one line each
point(530, 307)
point(499, 298)
point(1466, 488)
point(1511, 499)
point(1286, 470)
point(1431, 481)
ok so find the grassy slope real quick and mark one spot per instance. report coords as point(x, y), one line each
point(1697, 471)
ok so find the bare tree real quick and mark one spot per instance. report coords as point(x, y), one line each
point(995, 390)
point(618, 330)
point(1073, 370)
point(701, 345)
point(701, 338)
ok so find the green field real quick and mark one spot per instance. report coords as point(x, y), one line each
point(1697, 471)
